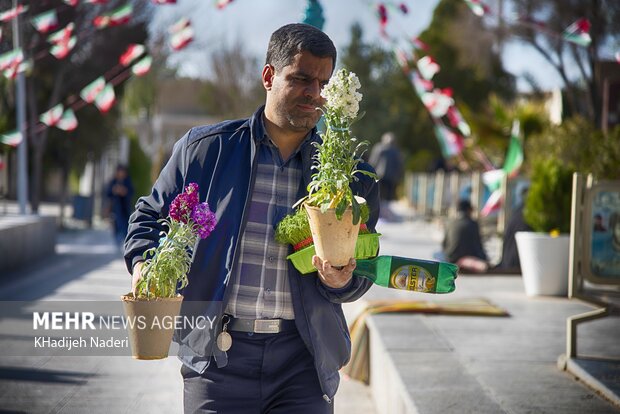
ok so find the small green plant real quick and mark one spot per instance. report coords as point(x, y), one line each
point(339, 154)
point(548, 203)
point(294, 229)
point(166, 266)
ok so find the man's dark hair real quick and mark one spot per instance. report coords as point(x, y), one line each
point(464, 206)
point(291, 39)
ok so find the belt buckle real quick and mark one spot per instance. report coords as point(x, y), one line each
point(266, 326)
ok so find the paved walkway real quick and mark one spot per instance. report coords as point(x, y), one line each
point(88, 267)
point(438, 363)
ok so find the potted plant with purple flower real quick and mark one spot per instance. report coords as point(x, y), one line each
point(165, 272)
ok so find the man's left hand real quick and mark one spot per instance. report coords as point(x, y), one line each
point(333, 277)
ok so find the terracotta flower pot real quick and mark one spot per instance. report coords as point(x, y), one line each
point(334, 240)
point(151, 334)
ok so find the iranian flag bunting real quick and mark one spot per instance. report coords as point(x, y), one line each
point(438, 102)
point(179, 25)
point(45, 22)
point(143, 66)
point(428, 67)
point(420, 84)
point(450, 142)
point(12, 138)
point(493, 178)
point(493, 203)
point(68, 121)
point(578, 33)
point(16, 68)
point(457, 121)
point(514, 155)
point(117, 17)
point(61, 50)
point(12, 13)
point(90, 92)
point(133, 52)
point(52, 116)
point(7, 59)
point(106, 98)
point(63, 35)
point(182, 38)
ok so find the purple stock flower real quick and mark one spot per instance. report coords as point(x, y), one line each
point(182, 206)
point(204, 219)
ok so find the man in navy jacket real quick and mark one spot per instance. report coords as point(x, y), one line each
point(289, 335)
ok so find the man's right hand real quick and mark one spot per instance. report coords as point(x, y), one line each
point(137, 275)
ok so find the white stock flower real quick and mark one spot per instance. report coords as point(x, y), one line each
point(341, 94)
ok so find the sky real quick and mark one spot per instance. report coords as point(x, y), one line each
point(251, 22)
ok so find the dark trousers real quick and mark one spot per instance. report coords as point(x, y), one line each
point(266, 373)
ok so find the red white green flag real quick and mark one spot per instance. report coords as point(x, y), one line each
point(90, 92)
point(420, 84)
point(68, 121)
point(450, 142)
point(63, 35)
point(578, 33)
point(179, 25)
point(457, 121)
point(117, 17)
point(514, 155)
point(45, 22)
point(12, 13)
point(133, 52)
point(60, 117)
point(9, 58)
point(428, 67)
point(52, 116)
point(493, 203)
point(438, 102)
point(106, 98)
point(61, 50)
point(143, 66)
point(12, 138)
point(71, 3)
point(16, 68)
point(182, 38)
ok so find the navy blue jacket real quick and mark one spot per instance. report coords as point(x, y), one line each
point(221, 159)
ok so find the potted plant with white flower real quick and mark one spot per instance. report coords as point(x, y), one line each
point(164, 273)
point(333, 211)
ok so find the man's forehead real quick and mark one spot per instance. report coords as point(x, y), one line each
point(308, 64)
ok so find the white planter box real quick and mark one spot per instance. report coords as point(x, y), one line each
point(544, 263)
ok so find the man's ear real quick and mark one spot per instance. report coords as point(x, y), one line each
point(267, 75)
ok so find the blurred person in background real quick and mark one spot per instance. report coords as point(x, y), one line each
point(389, 164)
point(120, 193)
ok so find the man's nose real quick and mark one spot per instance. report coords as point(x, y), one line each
point(313, 90)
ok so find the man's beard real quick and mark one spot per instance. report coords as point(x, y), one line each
point(301, 120)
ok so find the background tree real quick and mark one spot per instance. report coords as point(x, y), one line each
point(233, 88)
point(54, 81)
point(575, 65)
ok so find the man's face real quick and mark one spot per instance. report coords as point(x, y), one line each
point(294, 92)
